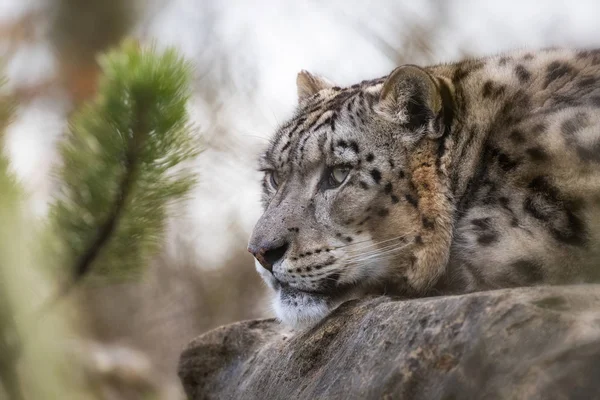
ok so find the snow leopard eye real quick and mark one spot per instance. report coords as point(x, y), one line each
point(337, 176)
point(273, 179)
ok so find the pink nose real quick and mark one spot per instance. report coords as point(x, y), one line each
point(270, 254)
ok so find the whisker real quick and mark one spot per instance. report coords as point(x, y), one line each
point(372, 243)
point(367, 263)
point(351, 244)
point(257, 137)
point(327, 278)
point(374, 251)
point(359, 260)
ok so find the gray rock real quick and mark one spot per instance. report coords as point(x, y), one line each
point(527, 343)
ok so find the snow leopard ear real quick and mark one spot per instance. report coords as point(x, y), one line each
point(309, 84)
point(415, 99)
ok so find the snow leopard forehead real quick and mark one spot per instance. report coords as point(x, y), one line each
point(329, 123)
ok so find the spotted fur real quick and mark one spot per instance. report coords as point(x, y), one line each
point(462, 177)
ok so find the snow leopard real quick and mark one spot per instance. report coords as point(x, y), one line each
point(435, 180)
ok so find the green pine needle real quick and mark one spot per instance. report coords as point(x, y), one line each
point(122, 164)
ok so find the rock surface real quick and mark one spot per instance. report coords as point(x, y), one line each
point(528, 343)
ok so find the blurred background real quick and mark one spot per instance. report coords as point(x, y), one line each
point(246, 56)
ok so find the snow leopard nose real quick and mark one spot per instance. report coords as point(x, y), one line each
point(267, 255)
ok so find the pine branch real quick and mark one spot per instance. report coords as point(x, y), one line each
point(108, 228)
point(123, 164)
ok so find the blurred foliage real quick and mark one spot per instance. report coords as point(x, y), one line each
point(122, 166)
point(118, 173)
point(10, 345)
point(79, 30)
point(29, 365)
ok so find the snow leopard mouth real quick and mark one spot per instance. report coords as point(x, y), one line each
point(329, 291)
point(290, 294)
point(300, 308)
